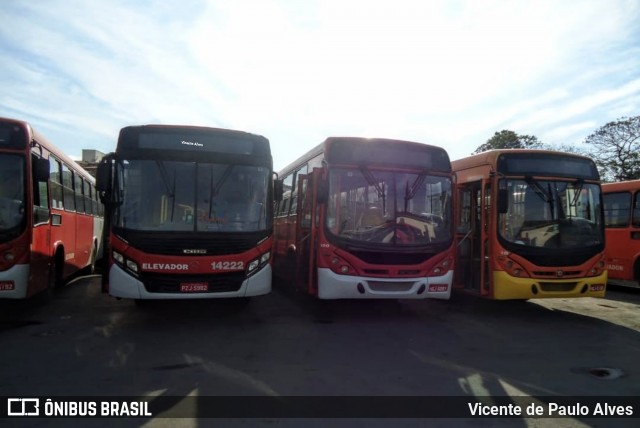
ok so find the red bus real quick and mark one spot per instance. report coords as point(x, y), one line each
point(50, 215)
point(188, 213)
point(367, 219)
point(622, 228)
point(529, 225)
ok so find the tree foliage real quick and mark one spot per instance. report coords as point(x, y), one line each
point(506, 139)
point(615, 147)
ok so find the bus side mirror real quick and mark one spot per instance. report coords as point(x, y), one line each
point(103, 175)
point(278, 190)
point(323, 192)
point(503, 201)
point(41, 169)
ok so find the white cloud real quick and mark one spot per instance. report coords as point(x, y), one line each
point(448, 73)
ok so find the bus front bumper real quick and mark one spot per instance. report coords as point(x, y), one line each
point(14, 282)
point(334, 286)
point(507, 287)
point(124, 285)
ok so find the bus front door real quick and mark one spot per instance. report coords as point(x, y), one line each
point(305, 274)
point(469, 266)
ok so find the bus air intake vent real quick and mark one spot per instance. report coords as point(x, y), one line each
point(558, 286)
point(554, 274)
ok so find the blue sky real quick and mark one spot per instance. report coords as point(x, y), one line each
point(449, 73)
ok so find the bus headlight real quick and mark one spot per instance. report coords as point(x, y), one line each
point(119, 258)
point(132, 266)
point(254, 264)
point(124, 262)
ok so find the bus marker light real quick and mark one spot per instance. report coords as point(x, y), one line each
point(9, 256)
point(360, 288)
point(421, 289)
point(344, 269)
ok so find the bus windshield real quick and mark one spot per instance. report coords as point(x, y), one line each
point(161, 195)
point(12, 196)
point(388, 208)
point(551, 214)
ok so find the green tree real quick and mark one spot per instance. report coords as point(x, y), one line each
point(615, 148)
point(506, 139)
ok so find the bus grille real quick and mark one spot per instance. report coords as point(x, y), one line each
point(171, 283)
point(558, 286)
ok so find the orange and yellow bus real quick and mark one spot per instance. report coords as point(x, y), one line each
point(50, 217)
point(529, 225)
point(367, 219)
point(622, 228)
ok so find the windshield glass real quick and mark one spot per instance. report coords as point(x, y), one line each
point(12, 196)
point(389, 208)
point(552, 214)
point(191, 196)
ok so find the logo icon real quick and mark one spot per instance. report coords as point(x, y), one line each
point(23, 407)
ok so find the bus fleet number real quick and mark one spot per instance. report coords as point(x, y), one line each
point(227, 265)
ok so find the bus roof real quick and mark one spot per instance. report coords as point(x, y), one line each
point(492, 159)
point(620, 186)
point(327, 144)
point(189, 140)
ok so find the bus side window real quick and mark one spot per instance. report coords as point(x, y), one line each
point(67, 189)
point(56, 184)
point(78, 189)
point(636, 210)
point(616, 209)
point(40, 199)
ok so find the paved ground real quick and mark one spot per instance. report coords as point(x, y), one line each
point(84, 343)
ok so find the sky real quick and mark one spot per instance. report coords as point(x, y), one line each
point(449, 73)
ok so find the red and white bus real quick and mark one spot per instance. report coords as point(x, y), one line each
point(367, 219)
point(50, 215)
point(529, 225)
point(622, 228)
point(188, 213)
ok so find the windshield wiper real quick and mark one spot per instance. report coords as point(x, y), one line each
point(376, 184)
point(214, 190)
point(410, 192)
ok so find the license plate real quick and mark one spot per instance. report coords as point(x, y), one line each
point(7, 286)
point(194, 287)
